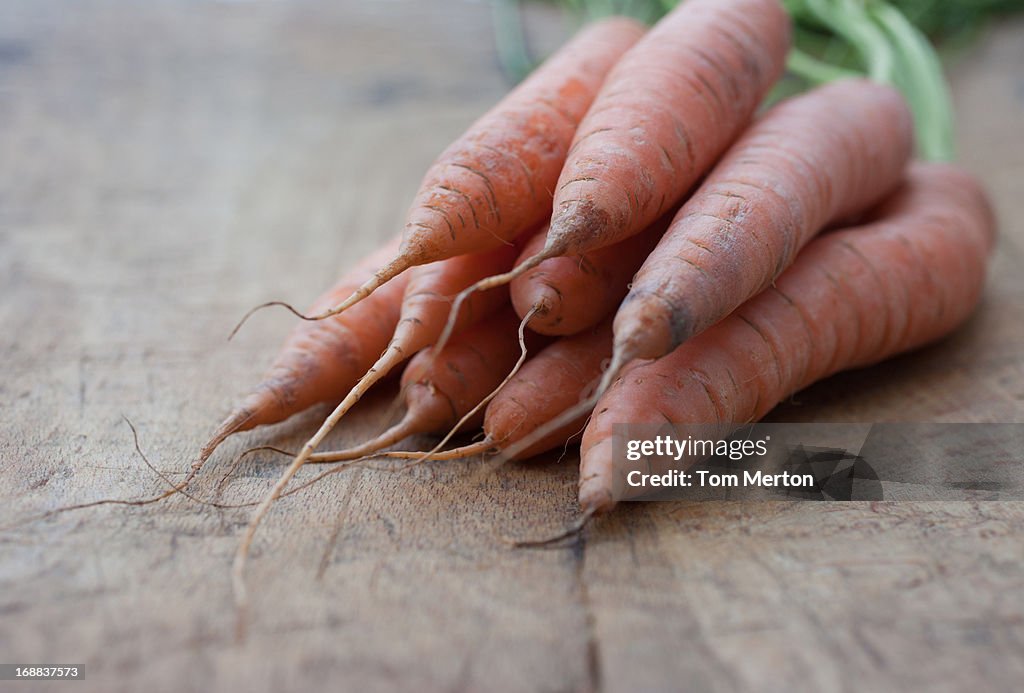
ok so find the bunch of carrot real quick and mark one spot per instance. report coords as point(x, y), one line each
point(626, 238)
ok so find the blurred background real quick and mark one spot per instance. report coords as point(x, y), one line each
point(167, 164)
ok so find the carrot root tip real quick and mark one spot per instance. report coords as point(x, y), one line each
point(554, 541)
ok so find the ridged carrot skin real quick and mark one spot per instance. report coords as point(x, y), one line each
point(579, 292)
point(854, 297)
point(667, 111)
point(813, 160)
point(496, 180)
point(549, 383)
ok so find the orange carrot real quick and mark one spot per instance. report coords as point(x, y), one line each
point(668, 109)
point(814, 160)
point(575, 293)
point(853, 298)
point(495, 181)
point(811, 161)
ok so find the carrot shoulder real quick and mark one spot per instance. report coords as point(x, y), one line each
point(854, 297)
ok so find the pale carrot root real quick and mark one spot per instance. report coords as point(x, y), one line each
point(380, 277)
point(388, 360)
point(400, 431)
point(477, 448)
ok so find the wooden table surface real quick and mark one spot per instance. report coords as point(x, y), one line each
point(166, 165)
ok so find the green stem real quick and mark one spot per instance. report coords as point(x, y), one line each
point(510, 39)
point(922, 80)
point(813, 70)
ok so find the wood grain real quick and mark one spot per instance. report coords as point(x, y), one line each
point(166, 165)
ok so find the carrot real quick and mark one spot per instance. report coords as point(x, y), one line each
point(572, 294)
point(853, 298)
point(811, 161)
point(814, 160)
point(666, 112)
point(495, 181)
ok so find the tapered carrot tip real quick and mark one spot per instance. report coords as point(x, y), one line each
point(597, 492)
point(380, 277)
point(580, 226)
point(595, 498)
point(235, 421)
point(647, 326)
point(557, 540)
